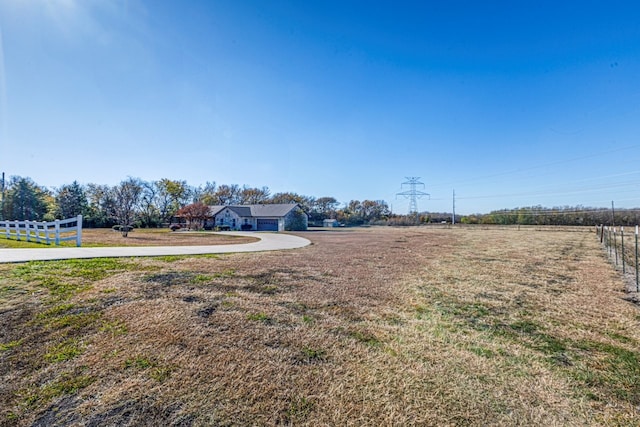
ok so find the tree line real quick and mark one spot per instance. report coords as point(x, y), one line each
point(154, 203)
point(560, 215)
point(139, 203)
point(531, 215)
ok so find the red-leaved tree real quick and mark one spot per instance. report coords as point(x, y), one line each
point(195, 214)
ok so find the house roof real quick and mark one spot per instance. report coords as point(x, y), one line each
point(241, 210)
point(266, 210)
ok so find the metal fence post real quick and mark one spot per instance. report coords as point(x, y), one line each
point(637, 282)
point(622, 240)
point(615, 245)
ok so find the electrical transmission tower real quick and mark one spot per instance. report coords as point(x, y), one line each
point(413, 194)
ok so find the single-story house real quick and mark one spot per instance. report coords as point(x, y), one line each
point(267, 217)
point(330, 223)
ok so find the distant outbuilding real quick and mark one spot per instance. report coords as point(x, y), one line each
point(330, 223)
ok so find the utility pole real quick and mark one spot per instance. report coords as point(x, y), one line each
point(413, 194)
point(453, 218)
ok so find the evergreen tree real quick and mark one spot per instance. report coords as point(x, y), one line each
point(71, 201)
point(25, 200)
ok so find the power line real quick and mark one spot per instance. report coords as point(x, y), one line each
point(599, 154)
point(582, 190)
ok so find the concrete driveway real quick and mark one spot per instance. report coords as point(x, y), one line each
point(268, 242)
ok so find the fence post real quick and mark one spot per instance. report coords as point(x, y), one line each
point(637, 282)
point(622, 250)
point(79, 231)
point(46, 233)
point(17, 230)
point(615, 245)
point(57, 231)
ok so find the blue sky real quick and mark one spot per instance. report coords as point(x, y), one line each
point(507, 103)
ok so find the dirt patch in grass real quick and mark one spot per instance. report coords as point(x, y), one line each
point(376, 326)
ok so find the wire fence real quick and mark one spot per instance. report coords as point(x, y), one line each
point(622, 246)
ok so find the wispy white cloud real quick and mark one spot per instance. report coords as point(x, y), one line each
point(74, 21)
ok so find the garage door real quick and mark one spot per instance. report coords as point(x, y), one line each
point(267, 225)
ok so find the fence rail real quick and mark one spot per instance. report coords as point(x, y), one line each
point(622, 247)
point(55, 232)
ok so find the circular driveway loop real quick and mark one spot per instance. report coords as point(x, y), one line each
point(268, 242)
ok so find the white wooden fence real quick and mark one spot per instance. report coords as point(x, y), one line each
point(44, 232)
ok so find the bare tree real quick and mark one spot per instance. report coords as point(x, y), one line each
point(227, 195)
point(254, 196)
point(325, 207)
point(126, 196)
point(304, 201)
point(149, 213)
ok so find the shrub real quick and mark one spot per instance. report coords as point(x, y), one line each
point(124, 229)
point(296, 221)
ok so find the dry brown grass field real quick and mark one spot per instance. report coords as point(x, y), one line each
point(157, 237)
point(138, 237)
point(380, 326)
